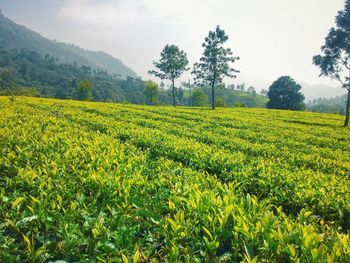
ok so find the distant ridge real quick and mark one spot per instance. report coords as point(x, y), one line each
point(13, 35)
point(320, 91)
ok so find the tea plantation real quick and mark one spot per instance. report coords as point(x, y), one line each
point(82, 182)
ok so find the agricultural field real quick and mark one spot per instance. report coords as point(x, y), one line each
point(82, 182)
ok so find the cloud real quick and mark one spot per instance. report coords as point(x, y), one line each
point(272, 37)
point(105, 14)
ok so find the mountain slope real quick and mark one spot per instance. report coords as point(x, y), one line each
point(312, 92)
point(13, 35)
point(101, 60)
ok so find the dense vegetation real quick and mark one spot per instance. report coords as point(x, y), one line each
point(28, 73)
point(14, 36)
point(116, 182)
point(328, 105)
point(49, 78)
point(284, 94)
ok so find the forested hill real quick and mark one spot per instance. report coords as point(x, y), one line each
point(14, 36)
point(26, 72)
point(32, 65)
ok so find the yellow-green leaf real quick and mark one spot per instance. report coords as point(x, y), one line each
point(17, 202)
point(136, 257)
point(27, 243)
point(208, 232)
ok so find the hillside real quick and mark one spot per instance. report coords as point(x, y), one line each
point(104, 182)
point(312, 92)
point(16, 36)
point(24, 72)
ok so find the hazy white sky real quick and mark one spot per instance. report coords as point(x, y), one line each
point(272, 37)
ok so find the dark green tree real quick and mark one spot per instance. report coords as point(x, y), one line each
point(334, 60)
point(172, 64)
point(285, 94)
point(84, 90)
point(215, 62)
point(199, 98)
point(7, 78)
point(151, 92)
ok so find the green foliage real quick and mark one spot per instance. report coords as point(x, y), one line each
point(85, 182)
point(14, 36)
point(84, 90)
point(219, 102)
point(29, 92)
point(7, 78)
point(229, 96)
point(172, 64)
point(151, 93)
point(239, 104)
point(233, 97)
point(284, 93)
point(199, 98)
point(215, 62)
point(334, 105)
point(52, 79)
point(334, 61)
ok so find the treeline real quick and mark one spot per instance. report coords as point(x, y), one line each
point(328, 105)
point(193, 95)
point(27, 73)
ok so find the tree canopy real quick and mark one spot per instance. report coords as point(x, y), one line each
point(334, 60)
point(172, 64)
point(285, 94)
point(214, 64)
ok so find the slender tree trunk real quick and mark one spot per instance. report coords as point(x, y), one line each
point(190, 89)
point(213, 91)
point(174, 101)
point(191, 96)
point(213, 95)
point(346, 124)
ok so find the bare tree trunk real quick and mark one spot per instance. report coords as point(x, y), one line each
point(346, 124)
point(174, 101)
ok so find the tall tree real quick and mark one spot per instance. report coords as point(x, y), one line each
point(285, 94)
point(334, 60)
point(172, 64)
point(214, 64)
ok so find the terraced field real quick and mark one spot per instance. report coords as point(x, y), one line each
point(101, 182)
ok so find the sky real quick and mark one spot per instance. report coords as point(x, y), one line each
point(272, 37)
